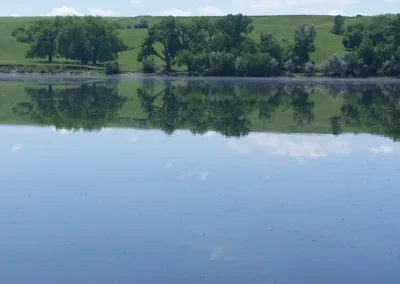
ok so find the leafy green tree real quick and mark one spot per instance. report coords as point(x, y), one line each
point(305, 36)
point(353, 36)
point(257, 65)
point(166, 34)
point(73, 42)
point(89, 39)
point(44, 35)
point(366, 51)
point(338, 25)
point(104, 41)
point(393, 29)
point(268, 44)
point(141, 23)
point(232, 31)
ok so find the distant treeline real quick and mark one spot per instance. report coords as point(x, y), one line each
point(221, 47)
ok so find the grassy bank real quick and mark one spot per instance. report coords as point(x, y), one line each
point(282, 27)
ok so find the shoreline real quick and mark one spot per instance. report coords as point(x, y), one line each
point(79, 77)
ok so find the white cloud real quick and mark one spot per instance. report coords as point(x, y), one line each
point(268, 7)
point(65, 11)
point(383, 149)
point(15, 15)
point(134, 139)
point(296, 146)
point(336, 12)
point(16, 148)
point(204, 175)
point(210, 10)
point(177, 13)
point(135, 2)
point(102, 12)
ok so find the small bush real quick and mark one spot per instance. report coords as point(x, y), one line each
point(112, 68)
point(257, 65)
point(149, 66)
point(289, 67)
point(309, 69)
point(391, 67)
point(141, 23)
point(117, 25)
point(221, 64)
point(334, 66)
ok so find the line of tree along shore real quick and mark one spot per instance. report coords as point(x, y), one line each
point(205, 46)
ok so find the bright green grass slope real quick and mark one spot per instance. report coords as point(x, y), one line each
point(282, 27)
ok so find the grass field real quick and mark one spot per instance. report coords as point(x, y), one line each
point(282, 27)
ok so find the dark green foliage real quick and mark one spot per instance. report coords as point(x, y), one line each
point(221, 64)
point(117, 25)
point(149, 65)
point(22, 35)
point(256, 65)
point(268, 44)
point(338, 25)
point(232, 31)
point(44, 39)
point(165, 33)
point(112, 68)
point(305, 36)
point(88, 39)
point(141, 23)
point(353, 36)
point(195, 63)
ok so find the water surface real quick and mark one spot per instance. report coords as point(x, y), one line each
point(147, 181)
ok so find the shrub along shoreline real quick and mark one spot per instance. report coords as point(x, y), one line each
point(209, 47)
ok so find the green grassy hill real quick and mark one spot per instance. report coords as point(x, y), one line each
point(282, 27)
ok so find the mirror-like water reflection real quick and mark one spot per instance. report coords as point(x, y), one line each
point(254, 183)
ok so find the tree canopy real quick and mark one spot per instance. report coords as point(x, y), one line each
point(88, 39)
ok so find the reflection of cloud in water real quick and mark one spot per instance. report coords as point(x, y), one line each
point(384, 149)
point(169, 164)
point(204, 175)
point(134, 139)
point(292, 145)
point(62, 131)
point(191, 175)
point(210, 134)
point(219, 253)
point(16, 148)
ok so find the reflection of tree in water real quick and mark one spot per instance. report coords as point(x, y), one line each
point(375, 109)
point(225, 108)
point(88, 107)
point(302, 106)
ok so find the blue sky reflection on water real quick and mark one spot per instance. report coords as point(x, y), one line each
point(136, 206)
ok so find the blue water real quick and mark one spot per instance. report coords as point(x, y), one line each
point(139, 206)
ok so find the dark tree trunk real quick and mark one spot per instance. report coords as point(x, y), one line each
point(167, 64)
point(50, 58)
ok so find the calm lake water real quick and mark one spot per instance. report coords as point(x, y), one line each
point(151, 181)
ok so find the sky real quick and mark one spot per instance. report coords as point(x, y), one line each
point(197, 7)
